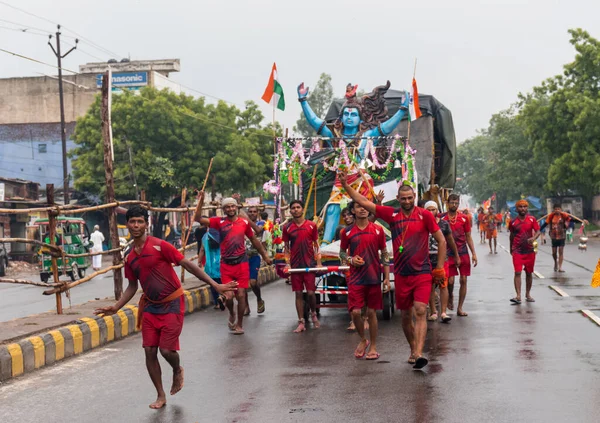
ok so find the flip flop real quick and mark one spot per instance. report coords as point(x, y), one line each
point(261, 307)
point(530, 300)
point(446, 319)
point(420, 363)
point(374, 357)
point(237, 332)
point(462, 314)
point(231, 324)
point(561, 271)
point(358, 357)
point(433, 317)
point(221, 302)
point(411, 360)
point(515, 300)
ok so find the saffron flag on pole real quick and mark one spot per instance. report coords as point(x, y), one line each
point(274, 92)
point(414, 112)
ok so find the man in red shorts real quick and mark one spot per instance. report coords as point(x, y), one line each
point(360, 246)
point(461, 231)
point(234, 260)
point(301, 240)
point(491, 229)
point(413, 274)
point(432, 207)
point(524, 230)
point(162, 305)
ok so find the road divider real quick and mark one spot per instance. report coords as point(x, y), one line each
point(558, 291)
point(87, 333)
point(592, 316)
point(538, 274)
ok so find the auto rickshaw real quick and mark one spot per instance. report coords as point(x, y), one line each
point(72, 235)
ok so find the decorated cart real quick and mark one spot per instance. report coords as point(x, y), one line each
point(375, 140)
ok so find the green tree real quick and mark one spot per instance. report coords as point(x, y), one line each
point(562, 117)
point(499, 160)
point(319, 98)
point(172, 138)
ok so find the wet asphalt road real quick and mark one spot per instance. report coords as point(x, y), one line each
point(537, 362)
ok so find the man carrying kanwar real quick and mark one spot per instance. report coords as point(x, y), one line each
point(491, 229)
point(162, 305)
point(413, 274)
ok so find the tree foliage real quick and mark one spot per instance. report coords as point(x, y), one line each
point(499, 160)
point(562, 117)
point(172, 138)
point(548, 143)
point(319, 98)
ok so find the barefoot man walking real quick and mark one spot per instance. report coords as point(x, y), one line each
point(300, 238)
point(361, 244)
point(413, 275)
point(162, 304)
point(461, 231)
point(234, 260)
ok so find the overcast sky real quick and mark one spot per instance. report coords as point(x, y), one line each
point(474, 56)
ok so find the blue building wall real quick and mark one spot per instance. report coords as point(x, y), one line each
point(34, 152)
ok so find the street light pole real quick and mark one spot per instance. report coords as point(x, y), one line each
point(63, 131)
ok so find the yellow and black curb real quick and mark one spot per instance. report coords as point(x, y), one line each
point(88, 333)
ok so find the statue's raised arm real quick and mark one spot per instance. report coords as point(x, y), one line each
point(313, 120)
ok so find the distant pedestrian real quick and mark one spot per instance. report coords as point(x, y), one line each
point(524, 230)
point(558, 221)
point(97, 239)
point(481, 225)
point(162, 305)
point(209, 257)
point(254, 261)
point(491, 228)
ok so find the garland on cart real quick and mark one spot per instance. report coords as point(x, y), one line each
point(293, 157)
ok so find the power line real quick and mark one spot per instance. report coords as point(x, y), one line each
point(35, 60)
point(88, 41)
point(20, 25)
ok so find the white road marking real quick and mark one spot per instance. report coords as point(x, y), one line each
point(504, 248)
point(559, 291)
point(591, 316)
point(538, 274)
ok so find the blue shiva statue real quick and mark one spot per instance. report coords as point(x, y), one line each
point(359, 119)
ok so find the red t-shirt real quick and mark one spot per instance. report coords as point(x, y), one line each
point(301, 239)
point(460, 228)
point(233, 233)
point(522, 230)
point(412, 232)
point(366, 244)
point(153, 268)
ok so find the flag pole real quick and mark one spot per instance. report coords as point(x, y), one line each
point(410, 117)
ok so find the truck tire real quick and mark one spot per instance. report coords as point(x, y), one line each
point(45, 277)
point(81, 273)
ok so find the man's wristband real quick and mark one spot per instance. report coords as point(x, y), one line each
point(302, 99)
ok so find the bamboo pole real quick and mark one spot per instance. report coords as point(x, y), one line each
point(312, 184)
point(27, 282)
point(52, 234)
point(184, 236)
point(64, 287)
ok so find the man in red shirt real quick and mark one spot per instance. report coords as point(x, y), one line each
point(491, 228)
point(413, 274)
point(461, 231)
point(481, 225)
point(301, 240)
point(361, 244)
point(162, 304)
point(524, 230)
point(234, 260)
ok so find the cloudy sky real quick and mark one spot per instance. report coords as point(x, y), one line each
point(474, 56)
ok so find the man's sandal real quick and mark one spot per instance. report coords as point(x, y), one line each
point(301, 326)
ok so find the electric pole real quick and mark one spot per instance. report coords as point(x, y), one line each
point(63, 131)
point(137, 192)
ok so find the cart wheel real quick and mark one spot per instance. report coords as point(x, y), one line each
point(81, 273)
point(387, 306)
